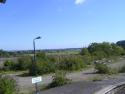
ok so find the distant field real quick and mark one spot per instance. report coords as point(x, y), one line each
point(69, 51)
point(63, 52)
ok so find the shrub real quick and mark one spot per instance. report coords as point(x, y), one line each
point(8, 65)
point(122, 69)
point(102, 68)
point(46, 67)
point(87, 59)
point(33, 70)
point(59, 79)
point(7, 85)
point(85, 51)
point(23, 63)
point(42, 68)
point(98, 55)
point(72, 63)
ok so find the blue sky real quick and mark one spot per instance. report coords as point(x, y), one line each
point(61, 23)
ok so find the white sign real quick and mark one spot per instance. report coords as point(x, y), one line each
point(36, 79)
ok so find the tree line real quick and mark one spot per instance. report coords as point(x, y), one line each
point(102, 50)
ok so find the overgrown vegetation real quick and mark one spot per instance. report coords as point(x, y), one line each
point(23, 63)
point(46, 64)
point(8, 65)
point(59, 79)
point(72, 63)
point(102, 50)
point(104, 69)
point(69, 62)
point(122, 69)
point(7, 85)
point(7, 54)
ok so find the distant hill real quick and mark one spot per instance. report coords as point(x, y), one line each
point(121, 43)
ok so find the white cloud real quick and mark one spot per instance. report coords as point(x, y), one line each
point(77, 2)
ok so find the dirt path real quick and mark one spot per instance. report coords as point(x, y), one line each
point(26, 84)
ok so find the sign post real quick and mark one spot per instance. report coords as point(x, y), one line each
point(35, 81)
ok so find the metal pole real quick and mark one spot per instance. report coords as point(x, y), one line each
point(35, 72)
point(34, 51)
point(34, 63)
point(34, 58)
point(36, 88)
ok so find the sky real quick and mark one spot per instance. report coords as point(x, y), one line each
point(60, 23)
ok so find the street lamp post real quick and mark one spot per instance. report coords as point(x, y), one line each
point(34, 61)
point(34, 54)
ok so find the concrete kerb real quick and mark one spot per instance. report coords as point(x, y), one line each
point(109, 88)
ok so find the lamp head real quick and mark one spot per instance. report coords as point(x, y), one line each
point(38, 37)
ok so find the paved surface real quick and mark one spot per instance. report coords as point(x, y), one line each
point(83, 87)
point(75, 88)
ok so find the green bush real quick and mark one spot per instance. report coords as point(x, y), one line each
point(122, 69)
point(42, 68)
point(33, 70)
point(23, 63)
point(8, 65)
point(50, 64)
point(98, 55)
point(72, 63)
point(7, 85)
point(87, 59)
point(43, 65)
point(102, 68)
point(46, 67)
point(85, 51)
point(103, 50)
point(59, 79)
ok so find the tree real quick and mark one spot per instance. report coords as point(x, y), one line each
point(121, 43)
point(2, 1)
point(104, 50)
point(117, 50)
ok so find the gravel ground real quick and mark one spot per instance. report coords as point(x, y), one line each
point(25, 82)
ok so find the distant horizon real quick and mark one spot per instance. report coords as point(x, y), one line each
point(56, 48)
